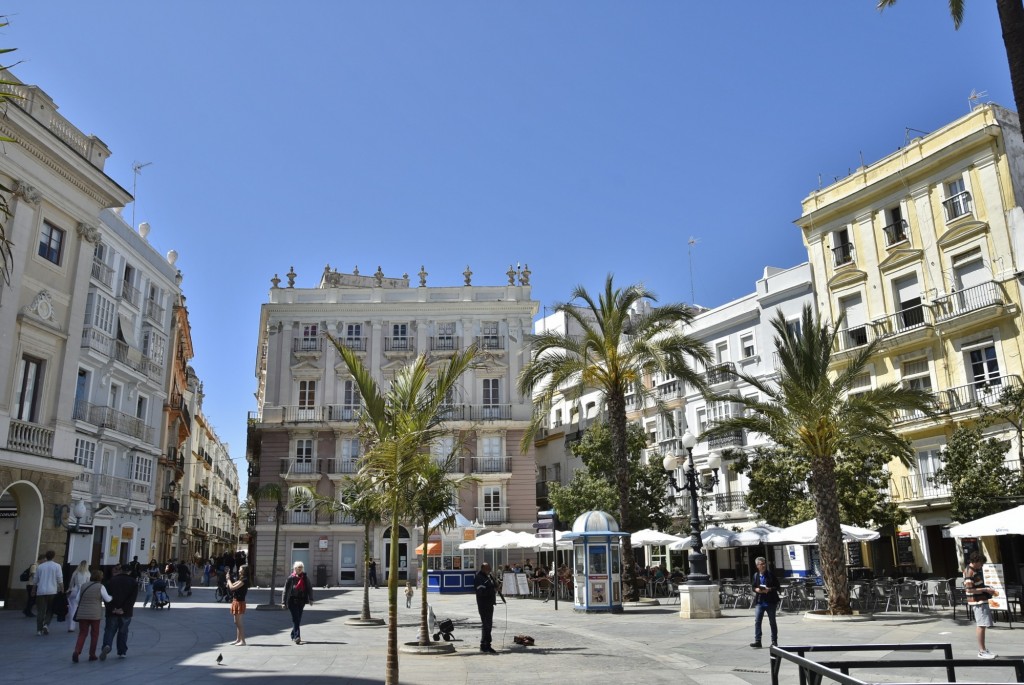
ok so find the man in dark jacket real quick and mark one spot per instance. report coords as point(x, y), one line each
point(766, 590)
point(123, 590)
point(486, 598)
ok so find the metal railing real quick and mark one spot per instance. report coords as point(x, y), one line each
point(922, 485)
point(490, 342)
point(102, 273)
point(399, 344)
point(904, 320)
point(342, 465)
point(727, 502)
point(980, 393)
point(344, 412)
point(895, 232)
point(957, 205)
point(851, 338)
point(292, 466)
point(443, 343)
point(122, 488)
point(720, 373)
point(458, 464)
point(105, 417)
point(356, 344)
point(154, 311)
point(967, 300)
point(343, 518)
point(30, 438)
point(492, 464)
point(170, 504)
point(130, 294)
point(734, 438)
point(491, 515)
point(842, 254)
point(307, 344)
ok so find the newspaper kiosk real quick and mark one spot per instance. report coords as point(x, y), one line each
point(597, 563)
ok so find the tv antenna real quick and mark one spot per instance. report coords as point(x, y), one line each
point(972, 99)
point(137, 168)
point(690, 243)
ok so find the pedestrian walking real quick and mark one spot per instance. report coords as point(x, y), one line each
point(486, 597)
point(123, 592)
point(978, 595)
point(79, 577)
point(409, 592)
point(89, 612)
point(49, 581)
point(238, 589)
point(30, 587)
point(766, 590)
point(298, 592)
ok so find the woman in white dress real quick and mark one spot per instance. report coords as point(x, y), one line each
point(79, 578)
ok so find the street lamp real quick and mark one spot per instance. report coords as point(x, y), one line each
point(698, 560)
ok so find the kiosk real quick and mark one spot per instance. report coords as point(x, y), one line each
point(597, 563)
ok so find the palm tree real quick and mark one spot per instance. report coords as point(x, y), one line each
point(434, 491)
point(612, 345)
point(1011, 20)
point(813, 412)
point(362, 501)
point(397, 427)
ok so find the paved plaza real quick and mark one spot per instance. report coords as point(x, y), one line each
point(645, 644)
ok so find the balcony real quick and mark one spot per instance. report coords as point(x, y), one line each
point(492, 515)
point(300, 345)
point(105, 417)
point(921, 485)
point(154, 312)
point(344, 412)
point(30, 438)
point(354, 343)
point(343, 518)
point(301, 469)
point(134, 359)
point(722, 502)
point(909, 319)
point(842, 254)
point(342, 466)
point(895, 233)
point(300, 517)
point(967, 300)
point(95, 339)
point(444, 343)
point(722, 373)
point(400, 344)
point(982, 393)
point(102, 273)
point(106, 487)
point(130, 294)
point(491, 343)
point(673, 390)
point(957, 206)
point(734, 438)
point(852, 338)
point(169, 508)
point(458, 464)
point(492, 464)
point(302, 414)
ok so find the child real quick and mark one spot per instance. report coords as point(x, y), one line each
point(409, 592)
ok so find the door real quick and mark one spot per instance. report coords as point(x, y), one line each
point(347, 562)
point(908, 300)
point(300, 553)
point(403, 553)
point(856, 333)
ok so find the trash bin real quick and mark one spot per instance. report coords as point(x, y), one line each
point(321, 575)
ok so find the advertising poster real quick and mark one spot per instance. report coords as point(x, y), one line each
point(993, 574)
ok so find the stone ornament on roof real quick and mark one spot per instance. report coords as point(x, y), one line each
point(468, 275)
point(423, 276)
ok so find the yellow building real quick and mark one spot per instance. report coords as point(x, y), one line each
point(924, 250)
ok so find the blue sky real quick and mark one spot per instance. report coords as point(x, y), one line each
point(580, 138)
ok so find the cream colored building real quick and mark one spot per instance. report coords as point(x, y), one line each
point(925, 249)
point(59, 188)
point(305, 430)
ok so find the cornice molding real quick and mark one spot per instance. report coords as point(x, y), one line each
point(847, 277)
point(899, 258)
point(961, 232)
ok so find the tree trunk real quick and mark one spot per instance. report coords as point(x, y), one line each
point(424, 636)
point(277, 535)
point(391, 670)
point(1011, 19)
point(366, 573)
point(830, 535)
point(620, 451)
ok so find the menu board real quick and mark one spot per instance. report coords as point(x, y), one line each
point(853, 552)
point(904, 549)
point(993, 574)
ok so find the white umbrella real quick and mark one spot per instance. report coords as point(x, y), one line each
point(544, 543)
point(758, 535)
point(649, 536)
point(806, 533)
point(710, 538)
point(1009, 522)
point(505, 539)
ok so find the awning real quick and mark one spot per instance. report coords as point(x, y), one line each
point(433, 549)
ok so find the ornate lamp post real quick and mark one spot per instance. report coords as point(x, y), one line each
point(698, 560)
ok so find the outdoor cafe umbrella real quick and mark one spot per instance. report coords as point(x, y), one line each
point(806, 533)
point(649, 536)
point(505, 539)
point(1009, 522)
point(758, 535)
point(714, 537)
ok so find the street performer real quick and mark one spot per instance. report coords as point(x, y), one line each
point(487, 592)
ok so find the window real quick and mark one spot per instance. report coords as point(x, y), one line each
point(842, 248)
point(445, 336)
point(354, 336)
point(859, 384)
point(141, 408)
point(101, 312)
point(115, 396)
point(722, 352)
point(142, 468)
point(489, 340)
point(310, 337)
point(907, 293)
point(350, 399)
point(128, 289)
point(153, 346)
point(793, 327)
point(854, 333)
point(984, 366)
point(558, 418)
point(400, 336)
point(29, 391)
point(492, 509)
point(303, 456)
point(702, 421)
point(958, 200)
point(923, 481)
point(969, 270)
point(747, 345)
point(441, 448)
point(719, 411)
point(895, 227)
point(492, 398)
point(349, 450)
point(917, 376)
point(302, 513)
point(491, 454)
point(307, 394)
point(51, 243)
point(85, 454)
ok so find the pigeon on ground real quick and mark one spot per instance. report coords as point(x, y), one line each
point(220, 658)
